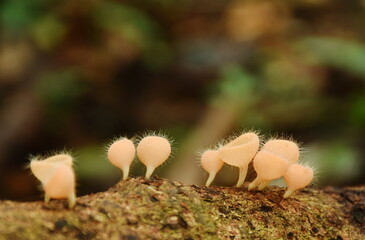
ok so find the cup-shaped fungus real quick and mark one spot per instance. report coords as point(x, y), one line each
point(61, 184)
point(286, 149)
point(152, 151)
point(60, 158)
point(41, 168)
point(121, 154)
point(297, 177)
point(211, 163)
point(239, 153)
point(268, 167)
point(56, 176)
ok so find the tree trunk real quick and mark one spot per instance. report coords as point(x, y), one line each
point(162, 209)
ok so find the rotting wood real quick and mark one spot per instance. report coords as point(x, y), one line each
point(162, 209)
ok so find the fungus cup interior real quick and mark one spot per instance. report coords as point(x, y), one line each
point(60, 158)
point(284, 148)
point(240, 151)
point(43, 170)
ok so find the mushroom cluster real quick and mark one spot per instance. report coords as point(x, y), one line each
point(57, 176)
point(152, 151)
point(275, 159)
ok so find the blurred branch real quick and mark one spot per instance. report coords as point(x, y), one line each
point(18, 118)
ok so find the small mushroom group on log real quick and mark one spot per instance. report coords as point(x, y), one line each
point(275, 159)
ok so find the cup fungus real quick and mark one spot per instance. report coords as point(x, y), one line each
point(56, 176)
point(41, 168)
point(152, 151)
point(121, 154)
point(285, 149)
point(61, 184)
point(211, 163)
point(268, 167)
point(239, 153)
point(297, 177)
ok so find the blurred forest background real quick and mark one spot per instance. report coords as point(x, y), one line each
point(75, 74)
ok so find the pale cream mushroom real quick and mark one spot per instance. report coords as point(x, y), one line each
point(268, 167)
point(61, 184)
point(41, 168)
point(152, 151)
point(286, 149)
point(121, 154)
point(297, 177)
point(211, 163)
point(239, 153)
point(56, 176)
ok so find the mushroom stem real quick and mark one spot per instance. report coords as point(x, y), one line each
point(46, 198)
point(71, 200)
point(255, 183)
point(125, 171)
point(242, 176)
point(210, 179)
point(263, 185)
point(288, 193)
point(149, 171)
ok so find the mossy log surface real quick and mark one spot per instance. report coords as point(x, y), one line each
point(162, 209)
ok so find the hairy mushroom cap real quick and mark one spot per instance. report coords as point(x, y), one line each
point(297, 177)
point(121, 154)
point(269, 166)
point(60, 158)
point(240, 151)
point(57, 177)
point(152, 151)
point(42, 169)
point(284, 148)
point(211, 163)
point(273, 160)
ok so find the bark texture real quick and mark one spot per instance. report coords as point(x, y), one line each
point(162, 209)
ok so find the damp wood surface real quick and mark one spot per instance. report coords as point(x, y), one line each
point(162, 209)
